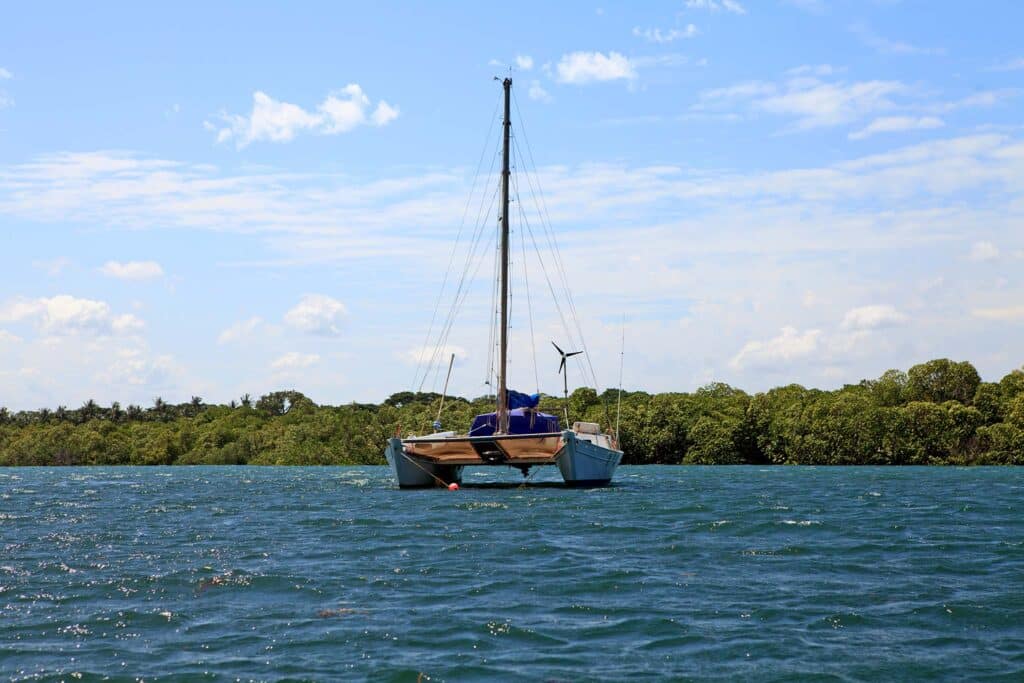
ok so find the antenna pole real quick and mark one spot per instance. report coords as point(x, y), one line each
point(565, 394)
point(622, 360)
point(444, 392)
point(502, 379)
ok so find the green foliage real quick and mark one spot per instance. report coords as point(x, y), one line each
point(942, 380)
point(938, 412)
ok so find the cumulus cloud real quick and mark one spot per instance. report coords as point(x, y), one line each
point(590, 67)
point(317, 314)
point(789, 346)
point(984, 251)
point(275, 121)
point(524, 62)
point(132, 270)
point(68, 315)
point(293, 360)
point(872, 317)
point(240, 331)
point(897, 124)
point(716, 5)
point(5, 74)
point(656, 35)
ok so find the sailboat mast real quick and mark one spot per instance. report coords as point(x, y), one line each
point(502, 378)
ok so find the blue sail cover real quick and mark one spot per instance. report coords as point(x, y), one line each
point(520, 421)
point(520, 400)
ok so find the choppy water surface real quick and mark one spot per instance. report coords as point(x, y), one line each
point(327, 573)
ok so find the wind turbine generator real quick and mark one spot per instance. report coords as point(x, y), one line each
point(564, 372)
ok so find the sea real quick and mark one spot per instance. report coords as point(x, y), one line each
point(672, 573)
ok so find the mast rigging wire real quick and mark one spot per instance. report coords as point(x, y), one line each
point(462, 225)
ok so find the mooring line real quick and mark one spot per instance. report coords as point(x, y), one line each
point(438, 479)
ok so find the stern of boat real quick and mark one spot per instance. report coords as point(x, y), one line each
point(584, 463)
point(412, 472)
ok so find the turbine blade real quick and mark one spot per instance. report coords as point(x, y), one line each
point(561, 366)
point(557, 348)
point(574, 353)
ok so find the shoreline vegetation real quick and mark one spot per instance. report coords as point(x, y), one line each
point(937, 413)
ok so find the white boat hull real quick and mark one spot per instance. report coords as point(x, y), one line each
point(580, 461)
point(418, 473)
point(583, 463)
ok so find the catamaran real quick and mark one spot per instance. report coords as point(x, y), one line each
point(517, 434)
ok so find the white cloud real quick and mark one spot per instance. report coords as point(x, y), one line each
point(68, 315)
point(132, 270)
point(9, 338)
point(656, 35)
point(890, 47)
point(317, 314)
point(134, 367)
point(812, 6)
point(1007, 314)
point(716, 5)
point(984, 251)
point(817, 104)
point(434, 354)
point(897, 124)
point(789, 346)
point(53, 267)
point(872, 317)
point(5, 74)
point(293, 360)
point(813, 102)
point(537, 92)
point(590, 67)
point(813, 70)
point(1016, 64)
point(524, 62)
point(384, 114)
point(274, 121)
point(240, 331)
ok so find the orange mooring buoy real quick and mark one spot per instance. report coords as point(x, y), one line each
point(453, 486)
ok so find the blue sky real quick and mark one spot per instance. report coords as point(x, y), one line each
point(217, 200)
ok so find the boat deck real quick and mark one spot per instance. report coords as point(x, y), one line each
point(507, 449)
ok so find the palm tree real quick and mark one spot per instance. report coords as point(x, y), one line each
point(246, 401)
point(159, 408)
point(115, 412)
point(61, 413)
point(44, 415)
point(89, 410)
point(134, 412)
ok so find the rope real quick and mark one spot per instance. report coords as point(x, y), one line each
point(529, 307)
point(545, 216)
point(460, 292)
point(455, 246)
point(438, 479)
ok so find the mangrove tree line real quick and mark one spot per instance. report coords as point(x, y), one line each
point(939, 412)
